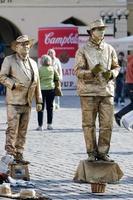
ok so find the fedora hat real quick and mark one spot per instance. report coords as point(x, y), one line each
point(21, 39)
point(96, 24)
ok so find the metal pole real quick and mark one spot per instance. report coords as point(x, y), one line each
point(115, 29)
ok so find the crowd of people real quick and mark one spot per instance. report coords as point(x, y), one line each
point(102, 77)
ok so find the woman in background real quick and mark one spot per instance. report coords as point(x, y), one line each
point(47, 75)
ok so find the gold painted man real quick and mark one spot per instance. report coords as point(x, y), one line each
point(96, 67)
point(19, 73)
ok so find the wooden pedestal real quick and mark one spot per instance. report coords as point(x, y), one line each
point(97, 173)
point(19, 171)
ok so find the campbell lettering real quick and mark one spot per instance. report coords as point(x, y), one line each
point(70, 39)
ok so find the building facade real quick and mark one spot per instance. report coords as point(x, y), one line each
point(26, 17)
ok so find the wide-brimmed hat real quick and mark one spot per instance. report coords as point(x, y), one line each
point(5, 191)
point(21, 39)
point(96, 24)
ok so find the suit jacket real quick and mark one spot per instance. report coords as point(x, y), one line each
point(12, 71)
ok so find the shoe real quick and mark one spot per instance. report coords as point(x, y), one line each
point(126, 125)
point(117, 119)
point(91, 157)
point(19, 158)
point(105, 158)
point(39, 128)
point(49, 127)
point(57, 106)
point(122, 103)
point(8, 158)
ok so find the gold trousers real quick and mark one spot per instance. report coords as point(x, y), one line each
point(97, 110)
point(18, 119)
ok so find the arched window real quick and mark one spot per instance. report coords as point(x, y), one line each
point(8, 33)
point(74, 21)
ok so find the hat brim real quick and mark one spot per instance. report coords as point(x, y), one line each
point(15, 43)
point(16, 196)
point(88, 30)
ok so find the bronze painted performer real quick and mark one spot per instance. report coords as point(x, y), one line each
point(19, 73)
point(96, 67)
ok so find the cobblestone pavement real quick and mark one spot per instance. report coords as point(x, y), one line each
point(55, 155)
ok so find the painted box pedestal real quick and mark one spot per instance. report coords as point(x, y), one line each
point(19, 171)
point(97, 173)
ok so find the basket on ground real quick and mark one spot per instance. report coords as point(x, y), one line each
point(98, 187)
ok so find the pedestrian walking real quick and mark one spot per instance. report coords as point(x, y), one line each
point(127, 109)
point(48, 76)
point(19, 74)
point(57, 65)
point(96, 67)
point(120, 80)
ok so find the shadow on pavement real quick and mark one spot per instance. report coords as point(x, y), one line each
point(123, 153)
point(80, 194)
point(67, 130)
point(127, 180)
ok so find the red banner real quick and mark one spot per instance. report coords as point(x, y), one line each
point(64, 40)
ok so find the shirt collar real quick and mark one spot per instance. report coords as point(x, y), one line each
point(93, 43)
point(22, 58)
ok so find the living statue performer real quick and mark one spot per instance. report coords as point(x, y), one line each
point(96, 67)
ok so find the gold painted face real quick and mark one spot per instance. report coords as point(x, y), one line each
point(99, 32)
point(23, 48)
